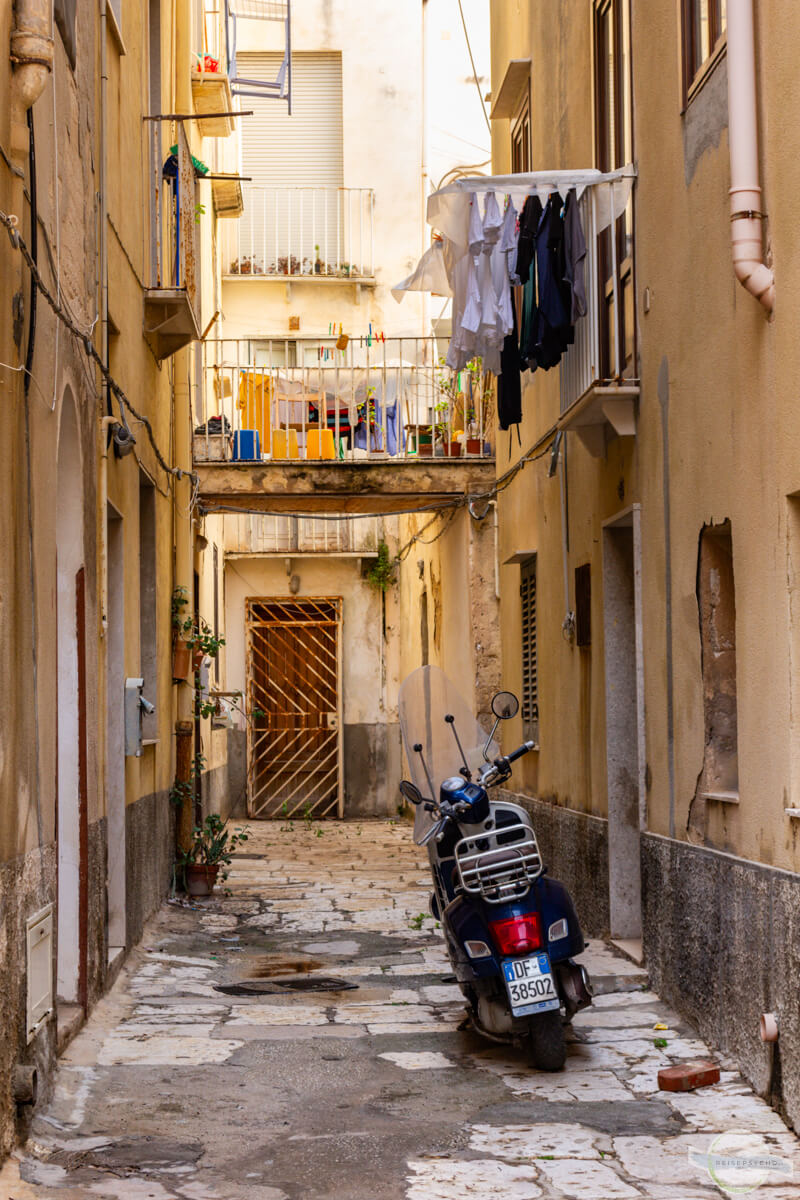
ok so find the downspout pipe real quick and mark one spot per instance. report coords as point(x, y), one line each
point(31, 52)
point(745, 190)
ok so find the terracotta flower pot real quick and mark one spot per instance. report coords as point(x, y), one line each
point(474, 446)
point(452, 449)
point(197, 659)
point(425, 450)
point(181, 659)
point(200, 878)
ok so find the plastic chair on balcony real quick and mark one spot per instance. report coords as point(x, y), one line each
point(260, 10)
point(320, 443)
point(284, 443)
point(255, 404)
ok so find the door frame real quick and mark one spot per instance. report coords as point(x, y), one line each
point(338, 603)
point(624, 866)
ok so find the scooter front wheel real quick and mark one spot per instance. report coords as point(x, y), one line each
point(545, 1044)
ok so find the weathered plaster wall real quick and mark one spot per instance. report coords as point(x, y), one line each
point(570, 767)
point(448, 603)
point(723, 943)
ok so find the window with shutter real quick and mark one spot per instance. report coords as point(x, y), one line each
point(294, 208)
point(530, 670)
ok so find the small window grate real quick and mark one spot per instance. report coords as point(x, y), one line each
point(583, 605)
point(530, 664)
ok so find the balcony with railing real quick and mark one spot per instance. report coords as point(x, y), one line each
point(347, 424)
point(172, 297)
point(302, 235)
point(598, 385)
point(258, 535)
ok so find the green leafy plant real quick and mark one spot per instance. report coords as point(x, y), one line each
point(183, 790)
point(382, 572)
point(213, 844)
point(198, 634)
point(450, 384)
point(416, 922)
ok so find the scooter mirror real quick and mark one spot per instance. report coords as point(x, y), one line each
point(505, 705)
point(410, 793)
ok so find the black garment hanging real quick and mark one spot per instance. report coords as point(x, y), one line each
point(529, 220)
point(509, 385)
point(547, 328)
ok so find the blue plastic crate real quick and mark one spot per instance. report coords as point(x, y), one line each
point(246, 445)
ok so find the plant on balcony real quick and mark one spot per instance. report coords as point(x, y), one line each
point(212, 848)
point(286, 266)
point(247, 265)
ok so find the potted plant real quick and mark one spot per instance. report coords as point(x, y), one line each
point(424, 439)
point(211, 849)
point(181, 650)
point(192, 640)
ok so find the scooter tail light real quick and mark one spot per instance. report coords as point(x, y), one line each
point(518, 935)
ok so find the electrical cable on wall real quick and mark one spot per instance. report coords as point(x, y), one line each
point(18, 242)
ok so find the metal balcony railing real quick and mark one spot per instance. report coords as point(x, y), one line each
point(255, 533)
point(173, 245)
point(309, 233)
point(388, 399)
point(581, 364)
point(172, 295)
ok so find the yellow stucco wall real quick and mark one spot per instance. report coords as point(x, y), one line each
point(732, 436)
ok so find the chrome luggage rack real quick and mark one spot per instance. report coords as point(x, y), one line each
point(499, 865)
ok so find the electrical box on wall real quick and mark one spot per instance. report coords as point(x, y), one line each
point(39, 970)
point(135, 707)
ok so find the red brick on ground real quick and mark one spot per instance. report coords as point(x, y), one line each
point(688, 1076)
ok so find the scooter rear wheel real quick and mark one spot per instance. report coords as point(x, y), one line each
point(545, 1044)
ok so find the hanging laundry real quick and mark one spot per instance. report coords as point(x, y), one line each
point(482, 255)
point(547, 328)
point(575, 253)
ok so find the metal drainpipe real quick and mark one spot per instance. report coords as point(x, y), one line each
point(31, 52)
point(182, 424)
point(745, 190)
point(426, 296)
point(106, 421)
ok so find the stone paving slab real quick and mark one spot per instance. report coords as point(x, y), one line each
point(176, 1090)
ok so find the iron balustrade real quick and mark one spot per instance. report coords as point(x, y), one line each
point(311, 233)
point(262, 533)
point(174, 259)
point(388, 399)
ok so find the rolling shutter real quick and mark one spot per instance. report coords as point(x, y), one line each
point(293, 210)
point(306, 147)
point(530, 670)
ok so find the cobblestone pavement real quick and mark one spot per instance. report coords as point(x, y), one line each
point(177, 1090)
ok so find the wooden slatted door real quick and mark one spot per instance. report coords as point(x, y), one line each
point(294, 750)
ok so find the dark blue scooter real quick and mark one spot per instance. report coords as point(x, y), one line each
point(511, 931)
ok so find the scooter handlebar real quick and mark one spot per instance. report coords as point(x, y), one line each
point(520, 750)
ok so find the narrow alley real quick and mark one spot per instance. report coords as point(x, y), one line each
point(202, 1077)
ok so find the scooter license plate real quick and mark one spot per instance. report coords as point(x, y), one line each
point(530, 986)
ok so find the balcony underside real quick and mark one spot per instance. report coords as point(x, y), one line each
point(600, 411)
point(169, 320)
point(325, 487)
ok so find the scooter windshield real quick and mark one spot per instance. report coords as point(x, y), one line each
point(426, 697)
